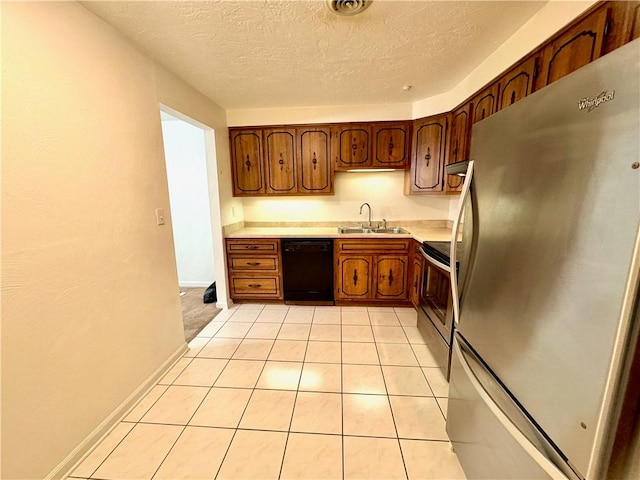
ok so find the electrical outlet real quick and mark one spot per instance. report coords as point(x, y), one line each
point(159, 216)
point(233, 212)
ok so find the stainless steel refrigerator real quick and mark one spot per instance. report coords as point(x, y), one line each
point(544, 330)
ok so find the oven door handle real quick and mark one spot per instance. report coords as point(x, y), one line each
point(466, 190)
point(432, 260)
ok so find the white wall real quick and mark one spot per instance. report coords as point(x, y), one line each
point(382, 190)
point(184, 150)
point(318, 114)
point(90, 308)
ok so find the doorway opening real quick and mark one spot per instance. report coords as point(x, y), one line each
point(192, 212)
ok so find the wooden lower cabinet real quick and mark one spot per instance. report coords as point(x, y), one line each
point(391, 277)
point(354, 277)
point(372, 270)
point(254, 269)
point(416, 274)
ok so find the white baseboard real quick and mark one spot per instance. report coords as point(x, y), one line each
point(195, 284)
point(78, 454)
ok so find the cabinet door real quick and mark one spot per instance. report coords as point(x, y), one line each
point(634, 21)
point(391, 145)
point(315, 174)
point(517, 83)
point(281, 161)
point(484, 104)
point(391, 277)
point(458, 145)
point(351, 146)
point(246, 162)
point(416, 285)
point(354, 277)
point(575, 48)
point(428, 156)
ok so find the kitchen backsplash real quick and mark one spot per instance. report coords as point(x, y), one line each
point(409, 224)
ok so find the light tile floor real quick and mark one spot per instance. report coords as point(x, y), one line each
point(272, 391)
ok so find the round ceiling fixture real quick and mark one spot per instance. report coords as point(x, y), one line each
point(348, 7)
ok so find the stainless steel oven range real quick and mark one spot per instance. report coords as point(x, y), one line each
point(435, 312)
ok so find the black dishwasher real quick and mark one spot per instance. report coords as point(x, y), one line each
point(307, 270)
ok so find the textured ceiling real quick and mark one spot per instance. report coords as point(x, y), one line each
point(269, 53)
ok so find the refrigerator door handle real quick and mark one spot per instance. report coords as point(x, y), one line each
point(466, 191)
point(550, 465)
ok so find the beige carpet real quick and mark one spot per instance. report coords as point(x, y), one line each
point(195, 313)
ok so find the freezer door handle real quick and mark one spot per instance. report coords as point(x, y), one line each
point(515, 422)
point(455, 294)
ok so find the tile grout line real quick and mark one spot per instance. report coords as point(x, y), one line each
point(393, 417)
point(197, 408)
point(249, 399)
point(137, 422)
point(342, 393)
point(203, 398)
point(304, 362)
point(295, 400)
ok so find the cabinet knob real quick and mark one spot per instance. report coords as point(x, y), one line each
point(248, 163)
point(314, 161)
point(390, 277)
point(427, 157)
point(355, 277)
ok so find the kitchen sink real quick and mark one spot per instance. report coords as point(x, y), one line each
point(361, 230)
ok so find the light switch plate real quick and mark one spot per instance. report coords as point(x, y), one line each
point(159, 216)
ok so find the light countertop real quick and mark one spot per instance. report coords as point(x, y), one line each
point(420, 233)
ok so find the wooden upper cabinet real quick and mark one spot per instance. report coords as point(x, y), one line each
point(517, 83)
point(247, 162)
point(458, 144)
point(351, 146)
point(485, 103)
point(574, 48)
point(633, 21)
point(428, 156)
point(315, 172)
point(391, 145)
point(279, 145)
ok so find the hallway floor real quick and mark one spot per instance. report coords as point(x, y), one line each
point(276, 391)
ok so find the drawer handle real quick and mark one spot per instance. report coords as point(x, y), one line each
point(355, 277)
point(254, 264)
point(390, 277)
point(251, 247)
point(255, 285)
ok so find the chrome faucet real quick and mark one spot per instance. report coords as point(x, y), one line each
point(369, 207)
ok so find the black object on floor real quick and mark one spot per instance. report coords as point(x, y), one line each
point(307, 270)
point(210, 294)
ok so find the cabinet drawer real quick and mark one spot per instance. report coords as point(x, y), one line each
point(251, 287)
point(252, 245)
point(378, 246)
point(256, 263)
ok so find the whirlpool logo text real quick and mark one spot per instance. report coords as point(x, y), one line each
point(589, 104)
